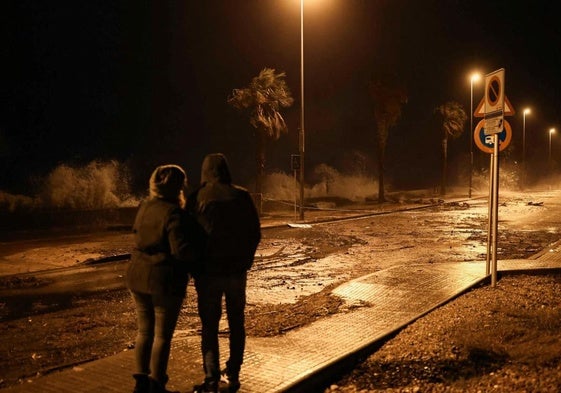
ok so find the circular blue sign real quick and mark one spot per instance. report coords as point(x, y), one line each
point(485, 142)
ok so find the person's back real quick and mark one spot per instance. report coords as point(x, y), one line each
point(233, 231)
point(229, 217)
point(154, 261)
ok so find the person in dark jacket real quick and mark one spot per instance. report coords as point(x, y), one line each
point(233, 231)
point(166, 243)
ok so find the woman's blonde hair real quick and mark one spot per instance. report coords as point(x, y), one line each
point(168, 182)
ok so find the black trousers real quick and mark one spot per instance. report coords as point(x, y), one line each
point(211, 290)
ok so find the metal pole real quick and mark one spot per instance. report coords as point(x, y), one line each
point(524, 148)
point(302, 134)
point(549, 151)
point(295, 196)
point(470, 139)
point(490, 215)
point(524, 138)
point(495, 207)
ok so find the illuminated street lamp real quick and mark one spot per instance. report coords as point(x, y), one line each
point(473, 78)
point(527, 111)
point(551, 132)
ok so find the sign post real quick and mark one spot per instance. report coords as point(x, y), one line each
point(495, 206)
point(492, 135)
point(494, 131)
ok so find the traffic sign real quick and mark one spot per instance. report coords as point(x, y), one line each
point(480, 110)
point(485, 142)
point(494, 91)
point(494, 101)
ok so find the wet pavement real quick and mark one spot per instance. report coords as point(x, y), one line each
point(305, 359)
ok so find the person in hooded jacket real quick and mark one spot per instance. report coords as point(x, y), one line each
point(168, 241)
point(233, 231)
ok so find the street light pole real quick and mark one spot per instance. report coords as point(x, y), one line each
point(551, 131)
point(526, 112)
point(474, 77)
point(302, 134)
point(523, 177)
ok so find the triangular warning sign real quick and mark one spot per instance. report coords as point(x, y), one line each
point(480, 110)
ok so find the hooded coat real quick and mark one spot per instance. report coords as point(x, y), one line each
point(228, 216)
point(167, 239)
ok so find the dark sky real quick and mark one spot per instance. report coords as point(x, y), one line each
point(147, 82)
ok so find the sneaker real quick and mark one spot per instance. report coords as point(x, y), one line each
point(231, 380)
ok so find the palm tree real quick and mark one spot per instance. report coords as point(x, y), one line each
point(451, 119)
point(262, 100)
point(388, 97)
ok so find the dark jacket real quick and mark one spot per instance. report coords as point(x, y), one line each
point(168, 242)
point(229, 217)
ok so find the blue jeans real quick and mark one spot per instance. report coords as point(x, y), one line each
point(210, 290)
point(156, 319)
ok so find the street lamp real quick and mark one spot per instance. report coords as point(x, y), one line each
point(551, 132)
point(473, 78)
point(302, 134)
point(527, 111)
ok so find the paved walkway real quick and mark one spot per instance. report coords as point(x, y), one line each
point(303, 359)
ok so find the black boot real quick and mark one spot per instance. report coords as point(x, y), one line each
point(157, 387)
point(142, 383)
point(207, 386)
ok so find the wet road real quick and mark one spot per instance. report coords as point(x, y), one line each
point(291, 262)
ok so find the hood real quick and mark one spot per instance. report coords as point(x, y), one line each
point(215, 169)
point(167, 182)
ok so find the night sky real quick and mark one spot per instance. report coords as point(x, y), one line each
point(146, 83)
